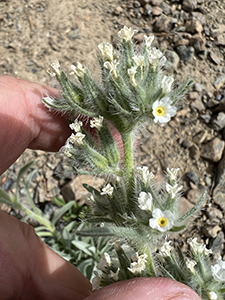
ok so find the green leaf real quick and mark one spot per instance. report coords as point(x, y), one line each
point(197, 206)
point(23, 171)
point(82, 246)
point(61, 212)
point(177, 228)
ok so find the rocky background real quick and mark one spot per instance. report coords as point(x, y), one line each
point(192, 33)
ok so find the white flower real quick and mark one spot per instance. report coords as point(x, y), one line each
point(139, 265)
point(111, 66)
point(212, 295)
point(154, 56)
point(96, 281)
point(166, 84)
point(77, 138)
point(126, 33)
point(78, 71)
point(53, 69)
point(108, 190)
point(96, 122)
point(113, 275)
point(218, 270)
point(104, 262)
point(190, 264)
point(161, 221)
point(198, 247)
point(173, 190)
point(76, 126)
point(166, 249)
point(148, 40)
point(145, 174)
point(163, 111)
point(172, 174)
point(65, 150)
point(106, 50)
point(139, 60)
point(131, 72)
point(145, 201)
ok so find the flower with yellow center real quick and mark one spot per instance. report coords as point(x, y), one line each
point(163, 111)
point(162, 221)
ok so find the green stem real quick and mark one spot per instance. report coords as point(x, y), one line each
point(128, 160)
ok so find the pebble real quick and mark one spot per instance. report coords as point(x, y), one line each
point(217, 244)
point(172, 60)
point(211, 231)
point(194, 196)
point(198, 105)
point(213, 150)
point(162, 24)
point(185, 53)
point(214, 58)
point(194, 152)
point(220, 40)
point(219, 82)
point(189, 5)
point(156, 11)
point(200, 137)
point(193, 26)
point(193, 177)
point(219, 122)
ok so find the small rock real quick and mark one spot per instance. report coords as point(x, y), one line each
point(219, 82)
point(197, 42)
point(217, 245)
point(193, 177)
point(67, 193)
point(156, 11)
point(194, 26)
point(185, 53)
point(194, 96)
point(118, 10)
point(162, 24)
point(220, 40)
point(199, 16)
point(144, 2)
point(166, 8)
point(200, 137)
point(214, 58)
point(213, 150)
point(189, 5)
point(194, 196)
point(184, 206)
point(199, 87)
point(172, 60)
point(214, 214)
point(194, 152)
point(197, 104)
point(206, 118)
point(219, 122)
point(211, 231)
point(187, 144)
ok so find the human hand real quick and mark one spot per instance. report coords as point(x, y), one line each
point(29, 269)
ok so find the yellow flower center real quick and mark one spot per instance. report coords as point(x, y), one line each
point(162, 222)
point(160, 111)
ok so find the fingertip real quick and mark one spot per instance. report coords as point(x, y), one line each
point(145, 289)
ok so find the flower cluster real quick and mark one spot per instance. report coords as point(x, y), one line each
point(128, 208)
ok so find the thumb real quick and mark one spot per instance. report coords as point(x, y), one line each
point(145, 289)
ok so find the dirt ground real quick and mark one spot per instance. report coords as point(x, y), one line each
point(35, 33)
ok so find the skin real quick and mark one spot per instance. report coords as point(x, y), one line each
point(29, 269)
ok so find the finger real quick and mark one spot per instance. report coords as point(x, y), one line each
point(26, 122)
point(145, 289)
point(31, 270)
